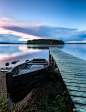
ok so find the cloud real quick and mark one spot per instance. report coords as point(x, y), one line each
point(42, 31)
point(6, 19)
point(34, 30)
point(9, 22)
point(9, 38)
point(78, 36)
point(13, 36)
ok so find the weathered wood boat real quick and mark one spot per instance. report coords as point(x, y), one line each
point(22, 78)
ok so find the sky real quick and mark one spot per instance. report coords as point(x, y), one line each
point(22, 20)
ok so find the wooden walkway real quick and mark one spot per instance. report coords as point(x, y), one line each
point(73, 72)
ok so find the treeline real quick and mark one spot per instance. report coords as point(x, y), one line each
point(45, 41)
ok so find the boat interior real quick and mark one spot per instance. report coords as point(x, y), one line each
point(30, 66)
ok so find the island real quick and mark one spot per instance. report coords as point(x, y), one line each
point(45, 41)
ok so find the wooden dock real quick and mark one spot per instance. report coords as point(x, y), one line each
point(73, 73)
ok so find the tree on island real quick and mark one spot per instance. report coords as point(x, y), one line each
point(45, 41)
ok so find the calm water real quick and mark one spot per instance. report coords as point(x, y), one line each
point(11, 52)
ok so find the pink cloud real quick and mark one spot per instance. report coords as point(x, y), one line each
point(10, 23)
point(6, 19)
point(24, 25)
point(84, 41)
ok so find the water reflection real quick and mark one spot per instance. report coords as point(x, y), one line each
point(78, 50)
point(22, 52)
point(8, 49)
point(38, 47)
point(44, 46)
point(9, 53)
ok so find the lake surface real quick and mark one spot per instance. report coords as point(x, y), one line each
point(22, 52)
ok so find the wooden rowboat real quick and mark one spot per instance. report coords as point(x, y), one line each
point(30, 66)
point(22, 78)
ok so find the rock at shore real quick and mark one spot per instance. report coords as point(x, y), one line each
point(14, 62)
point(7, 64)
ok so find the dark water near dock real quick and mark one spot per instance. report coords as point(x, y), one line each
point(22, 52)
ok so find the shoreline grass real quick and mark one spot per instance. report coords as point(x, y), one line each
point(53, 103)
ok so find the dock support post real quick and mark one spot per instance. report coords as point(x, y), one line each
point(59, 76)
point(49, 57)
point(54, 63)
point(52, 58)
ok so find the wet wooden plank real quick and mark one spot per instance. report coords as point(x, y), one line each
point(75, 84)
point(71, 88)
point(71, 79)
point(79, 100)
point(74, 80)
point(79, 93)
point(73, 72)
point(81, 108)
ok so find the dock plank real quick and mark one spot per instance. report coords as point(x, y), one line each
point(81, 108)
point(73, 72)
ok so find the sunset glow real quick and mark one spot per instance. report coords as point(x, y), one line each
point(6, 19)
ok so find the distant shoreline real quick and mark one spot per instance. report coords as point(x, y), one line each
point(41, 44)
point(12, 43)
point(75, 43)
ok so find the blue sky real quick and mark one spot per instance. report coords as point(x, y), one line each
point(21, 20)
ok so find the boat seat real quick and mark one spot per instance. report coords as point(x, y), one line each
point(37, 63)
